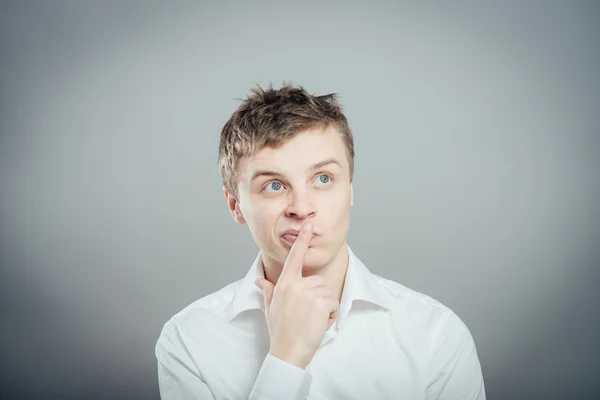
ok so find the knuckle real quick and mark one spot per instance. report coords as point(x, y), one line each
point(315, 280)
point(322, 303)
point(334, 304)
point(314, 300)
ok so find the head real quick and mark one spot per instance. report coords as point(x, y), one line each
point(287, 157)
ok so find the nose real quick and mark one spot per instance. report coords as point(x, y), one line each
point(300, 205)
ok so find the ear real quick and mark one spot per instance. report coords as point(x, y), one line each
point(234, 207)
point(351, 195)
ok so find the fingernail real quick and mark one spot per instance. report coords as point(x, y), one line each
point(307, 226)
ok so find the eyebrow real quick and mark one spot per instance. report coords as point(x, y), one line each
point(318, 165)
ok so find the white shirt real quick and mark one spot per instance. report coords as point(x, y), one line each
point(388, 342)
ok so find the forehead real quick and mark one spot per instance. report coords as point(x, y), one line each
point(298, 153)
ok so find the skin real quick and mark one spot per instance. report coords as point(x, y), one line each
point(293, 193)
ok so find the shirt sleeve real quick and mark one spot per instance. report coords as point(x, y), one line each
point(178, 379)
point(278, 379)
point(454, 370)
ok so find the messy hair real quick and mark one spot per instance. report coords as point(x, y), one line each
point(268, 118)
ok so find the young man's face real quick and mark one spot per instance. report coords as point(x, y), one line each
point(307, 178)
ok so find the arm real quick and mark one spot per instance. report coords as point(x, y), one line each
point(306, 309)
point(279, 379)
point(454, 371)
point(179, 378)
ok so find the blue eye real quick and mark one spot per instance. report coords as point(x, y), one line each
point(324, 179)
point(275, 186)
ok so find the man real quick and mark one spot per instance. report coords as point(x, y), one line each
point(309, 320)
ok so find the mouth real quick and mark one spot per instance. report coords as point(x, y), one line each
point(291, 235)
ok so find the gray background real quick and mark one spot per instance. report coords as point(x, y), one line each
point(477, 174)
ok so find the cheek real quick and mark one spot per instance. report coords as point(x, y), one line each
point(336, 210)
point(262, 220)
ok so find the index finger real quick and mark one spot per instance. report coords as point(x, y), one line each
point(292, 269)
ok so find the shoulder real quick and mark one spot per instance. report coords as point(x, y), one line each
point(422, 311)
point(209, 308)
point(410, 300)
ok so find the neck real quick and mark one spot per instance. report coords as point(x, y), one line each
point(334, 271)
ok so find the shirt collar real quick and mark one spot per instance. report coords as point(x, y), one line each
point(360, 284)
point(248, 296)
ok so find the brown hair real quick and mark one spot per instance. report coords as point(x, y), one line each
point(271, 117)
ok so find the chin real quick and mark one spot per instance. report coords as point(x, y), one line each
point(316, 258)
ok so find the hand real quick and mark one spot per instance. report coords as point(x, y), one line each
point(298, 309)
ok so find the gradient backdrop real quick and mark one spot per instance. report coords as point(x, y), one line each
point(477, 174)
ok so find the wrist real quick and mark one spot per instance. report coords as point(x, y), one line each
point(290, 358)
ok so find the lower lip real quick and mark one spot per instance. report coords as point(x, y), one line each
point(292, 238)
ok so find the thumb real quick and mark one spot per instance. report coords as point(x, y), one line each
point(267, 288)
